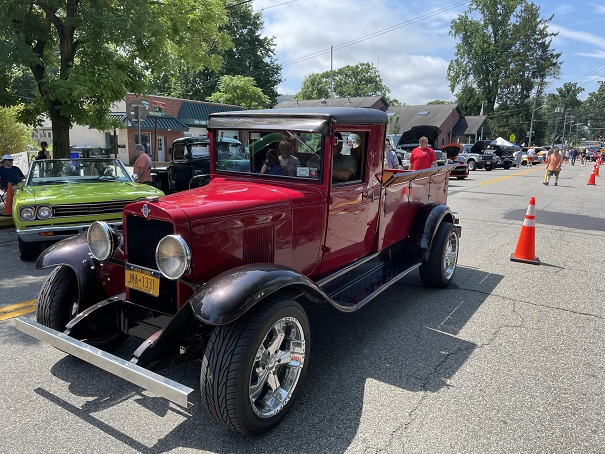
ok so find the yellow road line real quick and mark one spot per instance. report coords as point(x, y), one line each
point(15, 310)
point(507, 177)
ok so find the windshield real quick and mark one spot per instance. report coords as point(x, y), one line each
point(66, 171)
point(279, 153)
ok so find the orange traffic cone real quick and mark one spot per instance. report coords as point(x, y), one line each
point(591, 180)
point(8, 200)
point(526, 246)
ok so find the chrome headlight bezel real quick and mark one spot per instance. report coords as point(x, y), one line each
point(40, 212)
point(30, 211)
point(173, 257)
point(102, 240)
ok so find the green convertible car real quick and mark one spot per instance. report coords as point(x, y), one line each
point(61, 197)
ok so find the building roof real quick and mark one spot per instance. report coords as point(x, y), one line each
point(468, 125)
point(164, 122)
point(432, 114)
point(374, 102)
point(196, 113)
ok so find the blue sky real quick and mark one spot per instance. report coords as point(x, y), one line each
point(409, 42)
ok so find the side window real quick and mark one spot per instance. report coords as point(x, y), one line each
point(348, 159)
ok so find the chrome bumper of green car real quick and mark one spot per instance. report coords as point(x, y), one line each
point(56, 232)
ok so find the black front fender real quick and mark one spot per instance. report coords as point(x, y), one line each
point(74, 253)
point(227, 296)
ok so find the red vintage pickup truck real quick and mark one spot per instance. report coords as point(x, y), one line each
point(303, 213)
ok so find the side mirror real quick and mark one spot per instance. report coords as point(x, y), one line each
point(135, 177)
point(353, 141)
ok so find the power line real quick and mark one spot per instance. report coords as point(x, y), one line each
point(375, 34)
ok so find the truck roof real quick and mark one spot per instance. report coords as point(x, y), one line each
point(307, 119)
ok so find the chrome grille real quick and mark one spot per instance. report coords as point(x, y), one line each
point(88, 209)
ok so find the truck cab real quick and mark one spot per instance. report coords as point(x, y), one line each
point(225, 273)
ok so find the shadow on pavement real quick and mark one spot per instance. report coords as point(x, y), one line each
point(406, 339)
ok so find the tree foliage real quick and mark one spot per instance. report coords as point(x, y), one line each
point(14, 135)
point(359, 80)
point(251, 55)
point(85, 55)
point(240, 91)
point(503, 53)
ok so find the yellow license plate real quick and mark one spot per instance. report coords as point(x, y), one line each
point(143, 279)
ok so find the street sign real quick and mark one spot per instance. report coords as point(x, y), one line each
point(512, 138)
point(137, 111)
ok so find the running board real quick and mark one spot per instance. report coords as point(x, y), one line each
point(155, 383)
point(354, 289)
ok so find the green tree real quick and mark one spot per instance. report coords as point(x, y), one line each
point(14, 135)
point(359, 80)
point(240, 91)
point(251, 55)
point(594, 110)
point(503, 54)
point(85, 55)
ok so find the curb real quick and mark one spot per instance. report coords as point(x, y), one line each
point(6, 221)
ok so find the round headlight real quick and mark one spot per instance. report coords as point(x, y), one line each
point(100, 240)
point(44, 212)
point(172, 256)
point(27, 213)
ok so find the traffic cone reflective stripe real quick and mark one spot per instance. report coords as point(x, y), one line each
point(596, 169)
point(591, 180)
point(526, 246)
point(8, 202)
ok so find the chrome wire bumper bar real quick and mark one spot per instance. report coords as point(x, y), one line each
point(155, 383)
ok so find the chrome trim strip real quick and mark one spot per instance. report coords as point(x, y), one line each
point(157, 384)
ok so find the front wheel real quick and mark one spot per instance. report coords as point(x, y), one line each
point(438, 270)
point(253, 368)
point(59, 302)
point(472, 165)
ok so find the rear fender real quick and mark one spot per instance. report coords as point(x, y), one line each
point(425, 225)
point(229, 295)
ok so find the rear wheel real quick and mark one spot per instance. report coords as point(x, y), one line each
point(438, 270)
point(29, 251)
point(253, 368)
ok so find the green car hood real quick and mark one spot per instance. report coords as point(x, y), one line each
point(66, 194)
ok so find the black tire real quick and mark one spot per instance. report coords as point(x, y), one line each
point(29, 251)
point(506, 166)
point(462, 178)
point(233, 364)
point(59, 302)
point(489, 167)
point(438, 270)
point(472, 165)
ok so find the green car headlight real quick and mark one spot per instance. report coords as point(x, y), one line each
point(102, 240)
point(44, 212)
point(27, 213)
point(173, 256)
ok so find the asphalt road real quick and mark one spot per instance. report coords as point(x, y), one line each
point(507, 359)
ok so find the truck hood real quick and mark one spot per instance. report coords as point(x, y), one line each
point(221, 197)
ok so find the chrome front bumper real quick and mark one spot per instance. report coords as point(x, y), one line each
point(157, 384)
point(59, 232)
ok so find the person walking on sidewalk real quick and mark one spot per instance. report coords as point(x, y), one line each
point(554, 166)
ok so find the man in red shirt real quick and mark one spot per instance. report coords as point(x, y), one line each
point(423, 156)
point(142, 166)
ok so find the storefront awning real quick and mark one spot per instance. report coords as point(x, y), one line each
point(164, 122)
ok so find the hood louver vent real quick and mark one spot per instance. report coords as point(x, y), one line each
point(258, 245)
